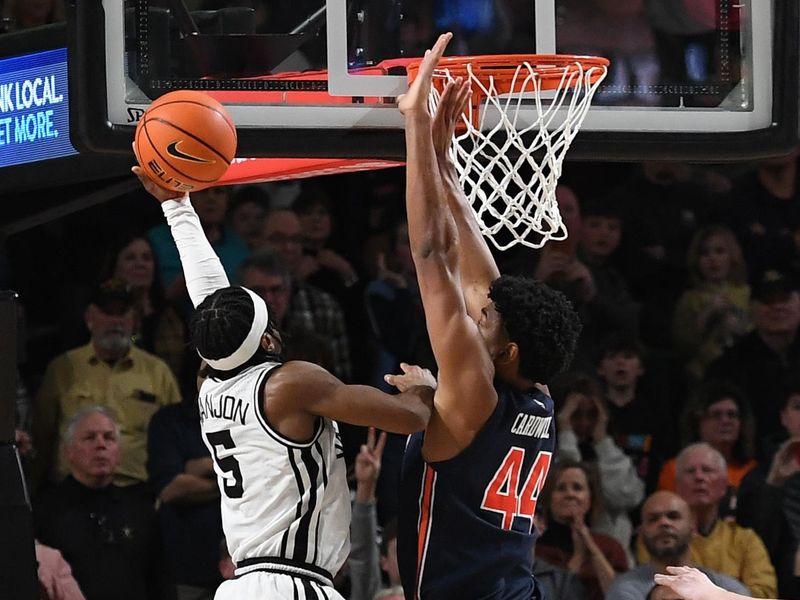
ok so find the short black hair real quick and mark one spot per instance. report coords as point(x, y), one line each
point(541, 321)
point(621, 342)
point(219, 325)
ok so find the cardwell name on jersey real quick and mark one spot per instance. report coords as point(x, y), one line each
point(223, 407)
point(532, 426)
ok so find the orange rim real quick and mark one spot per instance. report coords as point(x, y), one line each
point(550, 68)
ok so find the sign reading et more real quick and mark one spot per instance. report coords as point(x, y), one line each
point(34, 108)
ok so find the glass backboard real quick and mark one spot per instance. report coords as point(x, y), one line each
point(689, 79)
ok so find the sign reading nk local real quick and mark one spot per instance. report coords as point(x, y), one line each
point(34, 108)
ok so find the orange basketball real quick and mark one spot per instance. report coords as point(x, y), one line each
point(185, 141)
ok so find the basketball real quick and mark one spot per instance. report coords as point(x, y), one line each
point(185, 141)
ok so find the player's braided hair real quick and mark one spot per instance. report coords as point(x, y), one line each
point(541, 321)
point(220, 324)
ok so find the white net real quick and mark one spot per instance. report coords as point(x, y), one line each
point(510, 155)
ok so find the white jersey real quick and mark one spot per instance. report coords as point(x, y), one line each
point(285, 505)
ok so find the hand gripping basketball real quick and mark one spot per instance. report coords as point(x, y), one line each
point(185, 141)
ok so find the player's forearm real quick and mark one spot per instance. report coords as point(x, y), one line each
point(430, 226)
point(201, 266)
point(478, 266)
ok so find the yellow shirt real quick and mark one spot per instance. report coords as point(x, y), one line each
point(735, 551)
point(133, 389)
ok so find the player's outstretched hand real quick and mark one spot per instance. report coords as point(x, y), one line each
point(154, 190)
point(415, 100)
point(412, 376)
point(689, 584)
point(451, 106)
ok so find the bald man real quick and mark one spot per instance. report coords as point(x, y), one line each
point(666, 531)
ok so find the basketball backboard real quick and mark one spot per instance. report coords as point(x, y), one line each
point(689, 79)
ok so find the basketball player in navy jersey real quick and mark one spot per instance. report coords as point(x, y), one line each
point(270, 429)
point(472, 480)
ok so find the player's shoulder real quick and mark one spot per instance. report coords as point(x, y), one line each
point(299, 374)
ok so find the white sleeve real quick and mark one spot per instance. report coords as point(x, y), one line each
point(201, 266)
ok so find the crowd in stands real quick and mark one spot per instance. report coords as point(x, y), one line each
point(678, 423)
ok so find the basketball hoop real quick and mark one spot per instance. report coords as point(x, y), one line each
point(524, 113)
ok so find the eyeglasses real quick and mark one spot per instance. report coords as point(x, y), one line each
point(718, 415)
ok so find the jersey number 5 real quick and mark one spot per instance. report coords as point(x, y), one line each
point(502, 495)
point(228, 464)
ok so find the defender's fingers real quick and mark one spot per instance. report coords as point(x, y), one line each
point(464, 96)
point(433, 55)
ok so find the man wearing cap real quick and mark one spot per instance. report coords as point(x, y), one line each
point(761, 362)
point(108, 371)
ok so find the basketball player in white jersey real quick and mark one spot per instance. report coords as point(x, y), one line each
point(270, 429)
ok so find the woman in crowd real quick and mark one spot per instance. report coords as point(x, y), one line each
point(570, 504)
point(713, 312)
point(161, 331)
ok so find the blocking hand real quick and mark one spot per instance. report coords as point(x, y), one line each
point(412, 376)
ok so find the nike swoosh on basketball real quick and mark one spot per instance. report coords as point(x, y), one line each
point(172, 150)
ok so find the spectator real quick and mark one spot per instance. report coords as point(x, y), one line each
point(763, 501)
point(763, 210)
point(720, 416)
point(666, 531)
point(639, 407)
point(312, 309)
point(556, 263)
point(211, 206)
point(181, 474)
point(555, 582)
point(610, 308)
point(712, 314)
point(720, 545)
point(571, 502)
point(321, 266)
point(662, 204)
point(327, 267)
point(108, 371)
point(762, 362)
point(395, 312)
point(307, 333)
point(106, 533)
point(246, 213)
point(160, 329)
point(364, 560)
point(583, 426)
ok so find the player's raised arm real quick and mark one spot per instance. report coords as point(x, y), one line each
point(202, 268)
point(465, 397)
point(477, 265)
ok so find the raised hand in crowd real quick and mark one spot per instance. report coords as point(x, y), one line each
point(368, 466)
point(393, 278)
point(785, 463)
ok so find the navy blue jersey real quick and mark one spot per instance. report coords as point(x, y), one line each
point(466, 524)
